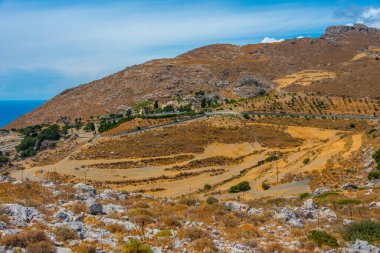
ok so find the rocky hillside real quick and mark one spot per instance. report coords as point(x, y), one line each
point(349, 53)
point(53, 217)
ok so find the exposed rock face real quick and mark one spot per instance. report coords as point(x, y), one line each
point(334, 34)
point(290, 217)
point(227, 70)
point(349, 186)
point(361, 247)
point(94, 207)
point(84, 188)
point(20, 215)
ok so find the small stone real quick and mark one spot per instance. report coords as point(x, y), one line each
point(347, 222)
point(348, 186)
point(374, 205)
point(309, 205)
point(94, 207)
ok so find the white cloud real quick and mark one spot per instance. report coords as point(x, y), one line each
point(271, 40)
point(370, 16)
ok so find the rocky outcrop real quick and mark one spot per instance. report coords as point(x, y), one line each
point(94, 207)
point(20, 215)
point(334, 34)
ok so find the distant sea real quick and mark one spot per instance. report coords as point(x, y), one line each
point(11, 109)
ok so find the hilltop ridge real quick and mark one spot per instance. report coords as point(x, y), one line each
point(349, 54)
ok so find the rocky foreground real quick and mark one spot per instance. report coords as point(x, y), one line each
point(54, 217)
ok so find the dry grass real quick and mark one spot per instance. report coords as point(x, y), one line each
point(64, 233)
point(30, 194)
point(34, 241)
point(172, 141)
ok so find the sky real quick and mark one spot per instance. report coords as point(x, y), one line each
point(49, 46)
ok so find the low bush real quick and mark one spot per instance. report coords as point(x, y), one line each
point(4, 159)
point(265, 186)
point(366, 230)
point(376, 155)
point(240, 187)
point(207, 187)
point(115, 228)
point(322, 238)
point(304, 195)
point(374, 175)
point(171, 221)
point(27, 153)
point(231, 221)
point(64, 233)
point(306, 160)
point(211, 200)
point(163, 233)
point(348, 201)
point(134, 246)
point(193, 233)
point(34, 241)
point(26, 143)
point(51, 133)
point(188, 201)
point(85, 248)
point(204, 245)
point(326, 194)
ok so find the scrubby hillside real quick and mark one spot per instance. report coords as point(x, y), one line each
point(347, 58)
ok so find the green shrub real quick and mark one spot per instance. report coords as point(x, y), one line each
point(245, 115)
point(327, 194)
point(4, 159)
point(376, 156)
point(363, 230)
point(51, 133)
point(26, 143)
point(304, 195)
point(374, 175)
point(265, 186)
point(240, 187)
point(89, 127)
point(207, 187)
point(271, 158)
point(322, 238)
point(306, 160)
point(168, 108)
point(28, 153)
point(135, 246)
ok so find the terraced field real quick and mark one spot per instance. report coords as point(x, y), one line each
point(218, 151)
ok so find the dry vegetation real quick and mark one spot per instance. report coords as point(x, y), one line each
point(300, 103)
point(187, 138)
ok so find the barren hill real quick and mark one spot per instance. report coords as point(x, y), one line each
point(344, 61)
